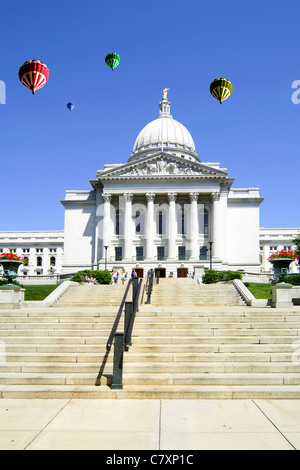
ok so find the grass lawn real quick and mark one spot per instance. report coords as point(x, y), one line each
point(260, 291)
point(39, 292)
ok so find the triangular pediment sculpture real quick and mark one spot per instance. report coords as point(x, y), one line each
point(162, 165)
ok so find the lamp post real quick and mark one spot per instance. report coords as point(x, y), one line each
point(105, 256)
point(210, 254)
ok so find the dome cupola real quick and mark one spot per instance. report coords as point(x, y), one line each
point(164, 134)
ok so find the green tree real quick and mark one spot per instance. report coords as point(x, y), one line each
point(296, 241)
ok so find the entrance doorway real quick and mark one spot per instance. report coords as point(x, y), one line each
point(182, 272)
point(140, 272)
point(161, 271)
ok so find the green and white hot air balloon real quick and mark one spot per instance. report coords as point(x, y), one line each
point(112, 60)
point(221, 89)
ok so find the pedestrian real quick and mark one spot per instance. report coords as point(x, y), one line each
point(116, 276)
point(134, 274)
point(123, 276)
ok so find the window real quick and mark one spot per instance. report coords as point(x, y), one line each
point(181, 221)
point(118, 222)
point(118, 253)
point(203, 253)
point(52, 261)
point(203, 221)
point(139, 253)
point(39, 250)
point(160, 253)
point(39, 261)
point(160, 223)
point(181, 253)
point(139, 222)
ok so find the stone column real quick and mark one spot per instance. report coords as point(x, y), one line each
point(220, 225)
point(128, 227)
point(194, 247)
point(106, 222)
point(150, 226)
point(172, 232)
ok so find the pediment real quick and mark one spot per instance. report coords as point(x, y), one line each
point(162, 166)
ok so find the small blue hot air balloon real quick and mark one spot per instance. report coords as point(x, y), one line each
point(71, 106)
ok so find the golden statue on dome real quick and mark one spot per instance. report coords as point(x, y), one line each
point(165, 91)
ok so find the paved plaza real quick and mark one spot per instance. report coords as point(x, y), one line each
point(116, 425)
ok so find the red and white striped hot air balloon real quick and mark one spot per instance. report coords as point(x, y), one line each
point(34, 75)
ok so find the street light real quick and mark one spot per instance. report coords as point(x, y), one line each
point(105, 256)
point(210, 254)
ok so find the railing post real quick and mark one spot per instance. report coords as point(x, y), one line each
point(150, 285)
point(117, 383)
point(127, 318)
point(135, 285)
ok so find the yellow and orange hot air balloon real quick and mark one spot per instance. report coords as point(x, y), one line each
point(34, 75)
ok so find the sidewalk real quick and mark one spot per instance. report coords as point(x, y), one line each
point(149, 424)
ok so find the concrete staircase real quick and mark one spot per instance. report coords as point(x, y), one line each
point(180, 349)
point(186, 291)
point(89, 295)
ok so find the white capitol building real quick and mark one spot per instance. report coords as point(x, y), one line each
point(162, 209)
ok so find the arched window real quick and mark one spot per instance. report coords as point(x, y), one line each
point(161, 220)
point(203, 221)
point(160, 223)
point(139, 221)
point(181, 219)
point(39, 261)
point(119, 221)
point(117, 225)
point(52, 261)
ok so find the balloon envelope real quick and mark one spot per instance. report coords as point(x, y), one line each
point(112, 60)
point(71, 106)
point(221, 89)
point(34, 74)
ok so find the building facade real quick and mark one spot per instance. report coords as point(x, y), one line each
point(163, 209)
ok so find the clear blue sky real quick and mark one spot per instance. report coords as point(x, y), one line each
point(46, 149)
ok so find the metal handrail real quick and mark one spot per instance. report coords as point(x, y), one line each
point(149, 285)
point(128, 333)
point(117, 320)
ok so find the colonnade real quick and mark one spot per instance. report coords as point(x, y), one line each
point(218, 229)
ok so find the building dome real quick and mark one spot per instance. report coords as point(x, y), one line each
point(164, 134)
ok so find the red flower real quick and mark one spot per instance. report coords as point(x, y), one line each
point(283, 254)
point(10, 257)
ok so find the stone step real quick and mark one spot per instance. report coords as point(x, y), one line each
point(153, 357)
point(152, 348)
point(151, 379)
point(153, 392)
point(92, 337)
point(152, 368)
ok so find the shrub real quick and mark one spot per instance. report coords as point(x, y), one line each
point(102, 277)
point(294, 280)
point(212, 276)
point(4, 282)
